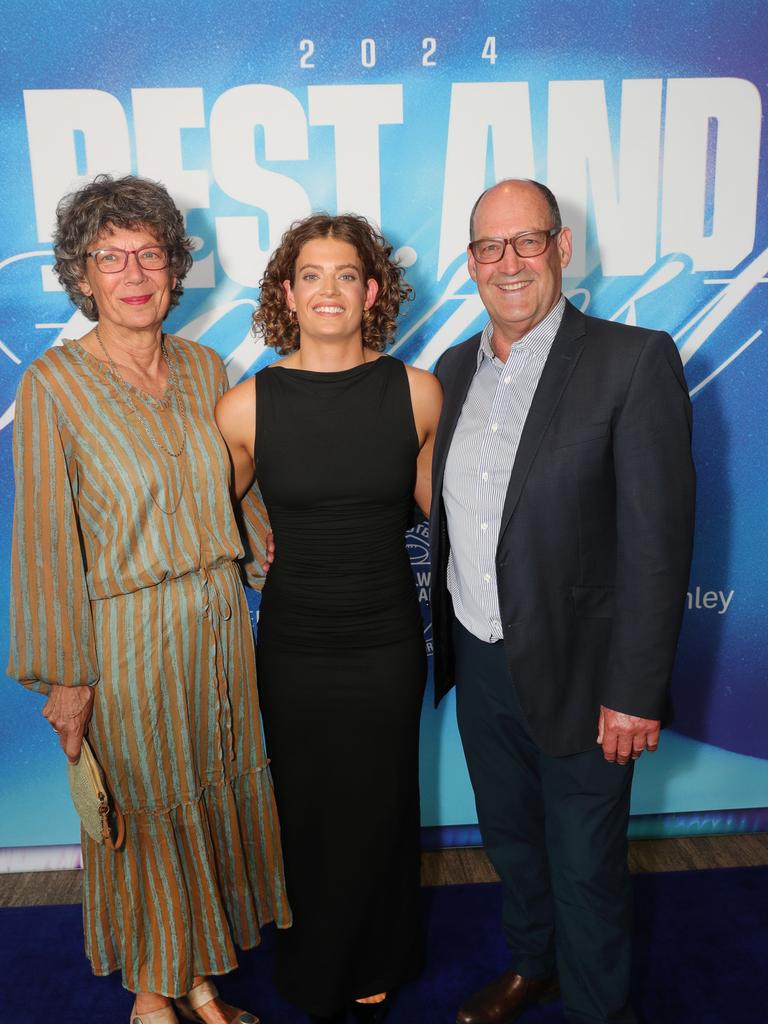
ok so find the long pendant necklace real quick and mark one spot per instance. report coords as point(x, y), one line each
point(173, 391)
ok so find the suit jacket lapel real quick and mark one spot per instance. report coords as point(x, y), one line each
point(560, 364)
point(453, 402)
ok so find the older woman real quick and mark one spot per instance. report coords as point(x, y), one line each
point(128, 612)
point(340, 438)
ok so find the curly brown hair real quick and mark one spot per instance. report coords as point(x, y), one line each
point(129, 202)
point(272, 319)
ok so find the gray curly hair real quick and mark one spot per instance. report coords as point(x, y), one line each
point(107, 202)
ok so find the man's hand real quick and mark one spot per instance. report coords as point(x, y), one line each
point(626, 736)
point(68, 709)
point(269, 547)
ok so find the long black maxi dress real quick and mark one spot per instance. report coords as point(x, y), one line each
point(342, 666)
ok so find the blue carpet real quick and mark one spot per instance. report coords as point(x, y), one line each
point(701, 952)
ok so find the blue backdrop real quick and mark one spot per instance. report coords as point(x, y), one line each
point(645, 119)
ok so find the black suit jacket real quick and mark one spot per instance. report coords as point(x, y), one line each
point(596, 534)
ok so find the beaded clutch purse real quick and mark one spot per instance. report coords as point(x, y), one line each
point(90, 796)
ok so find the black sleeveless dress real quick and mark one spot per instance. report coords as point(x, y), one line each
point(342, 666)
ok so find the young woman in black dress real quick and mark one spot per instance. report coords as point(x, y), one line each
point(339, 438)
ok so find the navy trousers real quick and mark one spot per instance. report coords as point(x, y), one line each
point(555, 829)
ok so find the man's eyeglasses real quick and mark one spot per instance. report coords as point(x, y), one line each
point(526, 244)
point(112, 261)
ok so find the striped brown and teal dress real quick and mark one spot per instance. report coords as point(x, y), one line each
point(124, 579)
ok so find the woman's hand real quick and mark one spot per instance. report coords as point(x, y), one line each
point(269, 551)
point(68, 709)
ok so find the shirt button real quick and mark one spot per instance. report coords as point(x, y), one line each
point(494, 427)
point(507, 379)
point(484, 476)
point(487, 577)
point(483, 526)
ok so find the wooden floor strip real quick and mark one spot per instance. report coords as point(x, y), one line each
point(452, 866)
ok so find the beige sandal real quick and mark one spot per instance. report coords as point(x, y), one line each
point(199, 996)
point(164, 1015)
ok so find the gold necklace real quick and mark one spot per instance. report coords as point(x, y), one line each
point(173, 390)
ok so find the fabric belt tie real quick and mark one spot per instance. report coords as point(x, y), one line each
point(216, 608)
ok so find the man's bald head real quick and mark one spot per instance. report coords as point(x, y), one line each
point(546, 193)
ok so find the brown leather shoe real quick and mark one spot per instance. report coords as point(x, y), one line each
point(504, 1000)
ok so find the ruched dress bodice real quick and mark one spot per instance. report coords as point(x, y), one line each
point(336, 464)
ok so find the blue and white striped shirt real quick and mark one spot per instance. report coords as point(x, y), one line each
point(479, 465)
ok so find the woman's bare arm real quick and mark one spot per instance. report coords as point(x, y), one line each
point(427, 400)
point(236, 418)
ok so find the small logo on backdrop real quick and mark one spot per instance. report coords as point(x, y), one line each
point(417, 546)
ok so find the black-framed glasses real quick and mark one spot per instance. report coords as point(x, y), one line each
point(112, 261)
point(526, 244)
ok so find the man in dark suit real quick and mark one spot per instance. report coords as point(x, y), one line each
point(562, 519)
